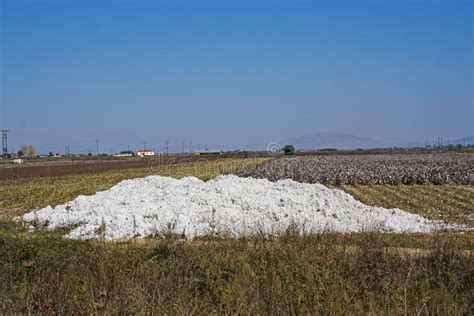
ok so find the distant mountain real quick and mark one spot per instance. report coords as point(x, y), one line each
point(339, 141)
point(333, 140)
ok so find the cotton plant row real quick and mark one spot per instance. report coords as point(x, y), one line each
point(436, 168)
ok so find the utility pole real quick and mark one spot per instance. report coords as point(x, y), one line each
point(97, 146)
point(5, 142)
point(128, 146)
point(144, 145)
point(206, 148)
point(199, 147)
point(190, 147)
point(183, 147)
point(167, 149)
point(67, 151)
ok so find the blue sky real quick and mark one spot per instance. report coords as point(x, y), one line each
point(233, 72)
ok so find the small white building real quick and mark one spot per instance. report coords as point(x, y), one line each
point(145, 153)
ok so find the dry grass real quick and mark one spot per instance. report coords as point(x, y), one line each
point(329, 273)
point(453, 204)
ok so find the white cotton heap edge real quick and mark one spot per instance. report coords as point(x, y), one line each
point(227, 206)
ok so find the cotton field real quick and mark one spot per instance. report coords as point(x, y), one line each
point(432, 168)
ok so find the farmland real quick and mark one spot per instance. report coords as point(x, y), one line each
point(35, 190)
point(426, 168)
point(55, 168)
point(42, 272)
point(236, 158)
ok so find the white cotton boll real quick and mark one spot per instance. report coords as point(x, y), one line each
point(225, 206)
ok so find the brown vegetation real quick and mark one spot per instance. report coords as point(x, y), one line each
point(328, 273)
point(449, 203)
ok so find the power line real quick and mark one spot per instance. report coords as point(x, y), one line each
point(5, 142)
point(97, 146)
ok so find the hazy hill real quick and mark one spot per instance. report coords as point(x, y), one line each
point(332, 140)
